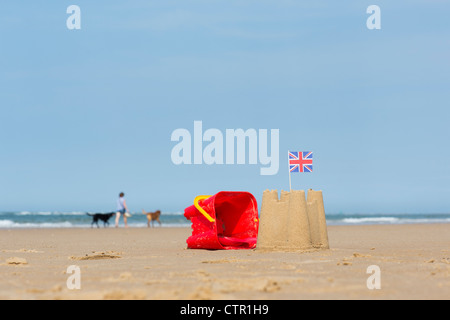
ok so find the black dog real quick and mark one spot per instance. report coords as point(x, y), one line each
point(100, 216)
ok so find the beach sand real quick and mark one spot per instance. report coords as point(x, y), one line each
point(141, 263)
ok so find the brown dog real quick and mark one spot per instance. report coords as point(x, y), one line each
point(152, 216)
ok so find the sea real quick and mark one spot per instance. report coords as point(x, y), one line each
point(76, 219)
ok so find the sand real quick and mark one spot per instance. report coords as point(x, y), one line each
point(292, 222)
point(135, 263)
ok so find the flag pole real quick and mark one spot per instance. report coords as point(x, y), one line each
point(289, 168)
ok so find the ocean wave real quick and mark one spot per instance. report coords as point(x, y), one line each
point(425, 220)
point(173, 213)
point(74, 213)
point(386, 220)
point(79, 219)
point(48, 213)
point(371, 220)
point(7, 224)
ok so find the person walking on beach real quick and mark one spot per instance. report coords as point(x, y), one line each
point(122, 209)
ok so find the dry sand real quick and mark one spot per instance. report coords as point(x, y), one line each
point(154, 264)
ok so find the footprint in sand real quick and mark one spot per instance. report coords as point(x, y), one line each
point(16, 261)
point(23, 251)
point(98, 256)
point(219, 261)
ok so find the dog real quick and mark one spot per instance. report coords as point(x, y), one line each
point(152, 216)
point(102, 217)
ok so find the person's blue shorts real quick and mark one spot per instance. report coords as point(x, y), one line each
point(122, 211)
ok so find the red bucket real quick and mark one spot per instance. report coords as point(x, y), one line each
point(225, 221)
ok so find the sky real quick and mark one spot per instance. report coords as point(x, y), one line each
point(89, 113)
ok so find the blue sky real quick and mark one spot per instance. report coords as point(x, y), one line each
point(89, 113)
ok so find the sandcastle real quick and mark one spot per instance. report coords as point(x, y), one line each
point(292, 222)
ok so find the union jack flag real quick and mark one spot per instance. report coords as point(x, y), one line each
point(300, 161)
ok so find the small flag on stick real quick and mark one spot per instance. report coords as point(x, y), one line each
point(300, 161)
